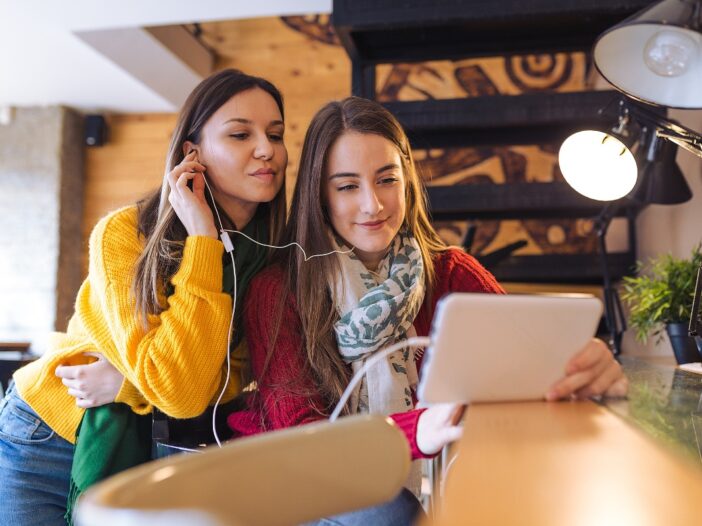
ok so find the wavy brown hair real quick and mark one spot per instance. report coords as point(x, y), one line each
point(158, 223)
point(308, 281)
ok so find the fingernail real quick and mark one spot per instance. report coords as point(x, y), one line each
point(551, 396)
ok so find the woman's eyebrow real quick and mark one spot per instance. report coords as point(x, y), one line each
point(247, 121)
point(343, 174)
point(237, 119)
point(390, 166)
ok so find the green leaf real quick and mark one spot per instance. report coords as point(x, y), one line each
point(662, 293)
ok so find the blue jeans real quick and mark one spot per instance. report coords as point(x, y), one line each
point(403, 510)
point(35, 467)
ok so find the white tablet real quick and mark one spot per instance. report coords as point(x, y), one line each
point(493, 347)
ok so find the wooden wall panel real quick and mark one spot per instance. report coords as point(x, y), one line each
point(127, 167)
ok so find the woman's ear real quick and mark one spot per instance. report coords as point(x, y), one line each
point(189, 146)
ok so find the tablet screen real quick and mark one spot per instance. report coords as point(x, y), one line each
point(492, 347)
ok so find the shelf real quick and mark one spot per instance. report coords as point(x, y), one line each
point(514, 201)
point(563, 268)
point(389, 32)
point(534, 118)
point(384, 31)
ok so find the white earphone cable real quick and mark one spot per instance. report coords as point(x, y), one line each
point(231, 320)
point(230, 250)
point(417, 341)
point(294, 243)
point(229, 358)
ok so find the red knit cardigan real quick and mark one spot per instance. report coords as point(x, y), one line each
point(275, 405)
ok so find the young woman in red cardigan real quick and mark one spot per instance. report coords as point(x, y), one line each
point(311, 324)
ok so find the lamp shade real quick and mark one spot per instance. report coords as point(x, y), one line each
point(597, 165)
point(655, 56)
point(662, 181)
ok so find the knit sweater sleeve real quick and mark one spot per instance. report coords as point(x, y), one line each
point(176, 361)
point(407, 422)
point(287, 394)
point(461, 272)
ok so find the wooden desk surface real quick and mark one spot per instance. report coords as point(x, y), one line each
point(568, 463)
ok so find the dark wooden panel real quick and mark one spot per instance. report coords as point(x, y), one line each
point(417, 30)
point(513, 201)
point(563, 268)
point(499, 111)
point(362, 79)
point(508, 136)
point(535, 118)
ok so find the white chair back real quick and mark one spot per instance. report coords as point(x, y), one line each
point(279, 478)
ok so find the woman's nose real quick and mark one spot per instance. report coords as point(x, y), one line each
point(264, 149)
point(371, 204)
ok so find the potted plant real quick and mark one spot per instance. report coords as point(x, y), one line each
point(662, 298)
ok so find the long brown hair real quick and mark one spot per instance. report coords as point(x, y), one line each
point(307, 225)
point(157, 222)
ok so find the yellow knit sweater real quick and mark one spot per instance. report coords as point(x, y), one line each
point(175, 365)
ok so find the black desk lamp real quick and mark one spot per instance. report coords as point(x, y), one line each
point(654, 56)
point(600, 165)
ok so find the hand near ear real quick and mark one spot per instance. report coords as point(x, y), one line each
point(190, 205)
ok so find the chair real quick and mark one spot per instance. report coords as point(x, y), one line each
point(280, 478)
point(173, 435)
point(13, 355)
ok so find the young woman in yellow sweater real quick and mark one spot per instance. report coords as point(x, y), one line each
point(157, 302)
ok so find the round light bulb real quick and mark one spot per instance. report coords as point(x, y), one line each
point(670, 53)
point(597, 165)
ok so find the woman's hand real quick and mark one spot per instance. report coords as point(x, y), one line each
point(591, 372)
point(190, 205)
point(93, 384)
point(437, 427)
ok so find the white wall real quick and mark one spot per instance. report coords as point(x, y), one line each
point(34, 166)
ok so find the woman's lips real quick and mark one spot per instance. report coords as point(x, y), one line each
point(373, 225)
point(264, 174)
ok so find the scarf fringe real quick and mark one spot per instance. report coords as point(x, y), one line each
point(73, 493)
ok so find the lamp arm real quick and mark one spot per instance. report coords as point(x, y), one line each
point(614, 314)
point(604, 218)
point(692, 144)
point(667, 128)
